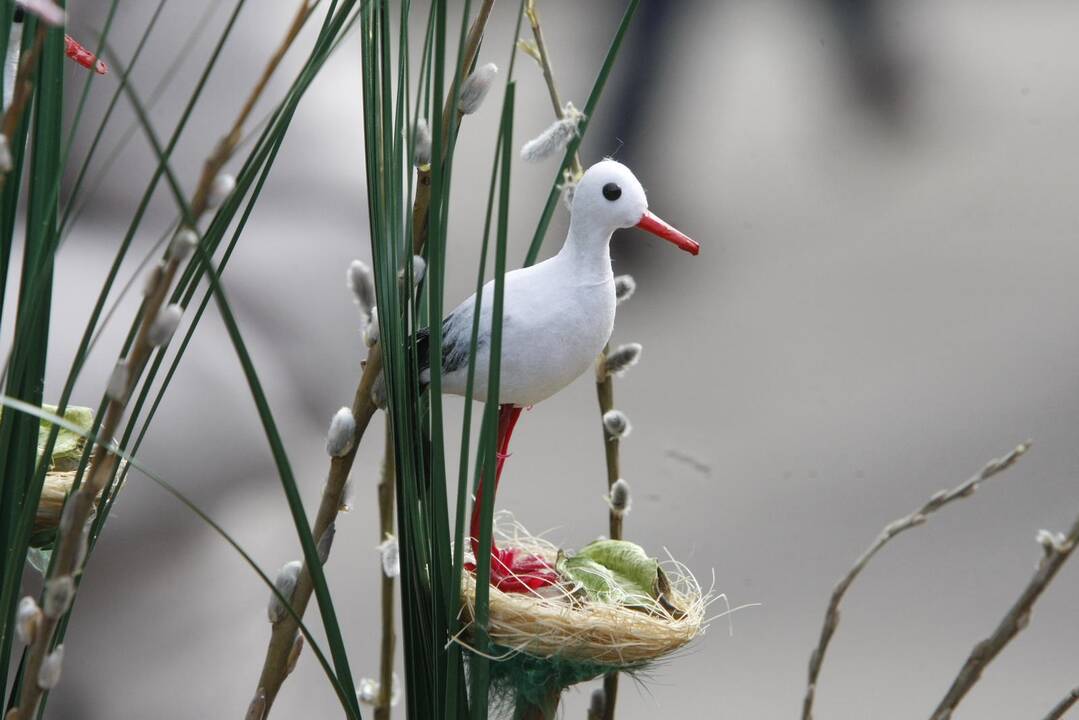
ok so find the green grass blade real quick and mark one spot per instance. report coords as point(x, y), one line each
point(288, 481)
point(18, 433)
point(480, 664)
point(266, 147)
point(69, 215)
point(133, 461)
point(453, 601)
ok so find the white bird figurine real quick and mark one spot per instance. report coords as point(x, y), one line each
point(557, 317)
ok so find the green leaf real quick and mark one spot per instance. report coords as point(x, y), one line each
point(68, 448)
point(616, 571)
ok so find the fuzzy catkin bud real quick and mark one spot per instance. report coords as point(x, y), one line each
point(27, 618)
point(391, 557)
point(624, 287)
point(48, 674)
point(530, 48)
point(367, 691)
point(59, 592)
point(6, 162)
point(362, 285)
point(220, 189)
point(370, 334)
point(1053, 542)
point(421, 144)
point(117, 387)
point(165, 324)
point(623, 358)
point(285, 582)
point(419, 269)
point(183, 244)
point(325, 543)
point(616, 424)
point(619, 497)
point(555, 138)
point(341, 434)
point(474, 88)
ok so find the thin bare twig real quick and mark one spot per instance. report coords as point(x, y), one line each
point(275, 664)
point(72, 534)
point(611, 444)
point(1064, 705)
point(1057, 550)
point(919, 516)
point(548, 74)
point(227, 145)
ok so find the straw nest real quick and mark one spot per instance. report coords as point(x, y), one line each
point(558, 623)
point(54, 491)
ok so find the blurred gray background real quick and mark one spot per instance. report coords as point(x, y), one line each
point(885, 300)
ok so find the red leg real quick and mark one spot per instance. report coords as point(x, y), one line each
point(511, 569)
point(507, 419)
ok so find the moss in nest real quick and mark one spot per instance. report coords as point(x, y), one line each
point(522, 679)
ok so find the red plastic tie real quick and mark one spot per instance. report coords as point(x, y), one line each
point(82, 56)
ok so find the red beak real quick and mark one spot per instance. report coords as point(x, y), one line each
point(660, 228)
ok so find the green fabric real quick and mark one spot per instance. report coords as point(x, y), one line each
point(615, 571)
point(69, 445)
point(522, 680)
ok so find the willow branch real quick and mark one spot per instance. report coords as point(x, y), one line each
point(548, 74)
point(24, 85)
point(72, 533)
point(611, 443)
point(1064, 705)
point(385, 530)
point(69, 553)
point(1057, 550)
point(275, 664)
point(227, 144)
point(916, 518)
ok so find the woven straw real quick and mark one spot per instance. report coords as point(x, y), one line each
point(556, 622)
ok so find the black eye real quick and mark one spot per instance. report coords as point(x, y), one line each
point(612, 192)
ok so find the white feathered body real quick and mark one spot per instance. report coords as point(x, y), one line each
point(557, 316)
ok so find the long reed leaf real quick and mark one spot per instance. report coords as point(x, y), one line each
point(131, 460)
point(480, 663)
point(288, 481)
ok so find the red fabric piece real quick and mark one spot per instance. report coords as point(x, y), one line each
point(515, 571)
point(82, 56)
point(507, 419)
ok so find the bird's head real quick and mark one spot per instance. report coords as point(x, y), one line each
point(609, 196)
